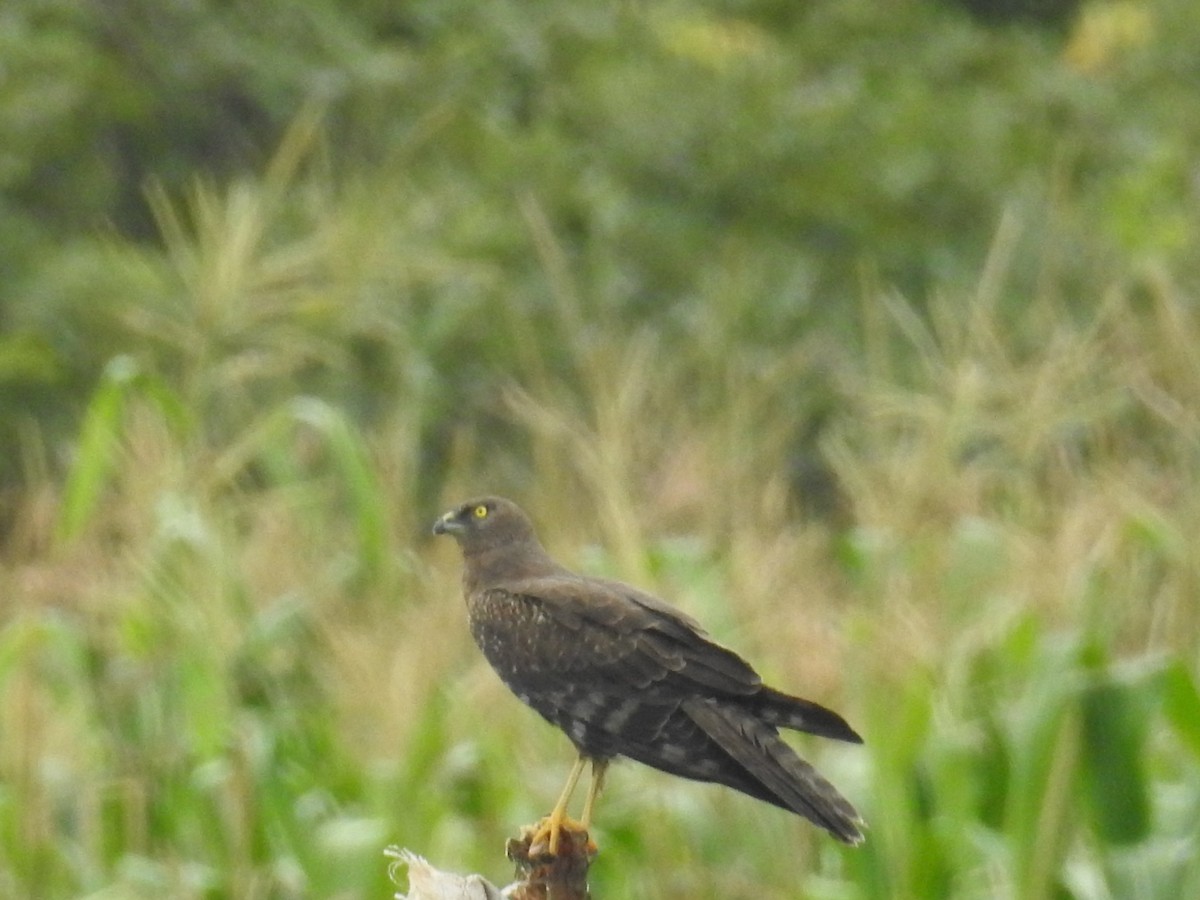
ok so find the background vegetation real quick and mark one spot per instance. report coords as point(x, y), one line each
point(868, 336)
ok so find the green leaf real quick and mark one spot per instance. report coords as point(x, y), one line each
point(100, 437)
point(95, 452)
point(1181, 704)
point(1114, 718)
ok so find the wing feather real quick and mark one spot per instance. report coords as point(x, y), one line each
point(758, 748)
point(619, 626)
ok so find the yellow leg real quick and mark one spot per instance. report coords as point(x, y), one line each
point(554, 822)
point(599, 768)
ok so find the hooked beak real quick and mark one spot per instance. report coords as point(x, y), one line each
point(447, 524)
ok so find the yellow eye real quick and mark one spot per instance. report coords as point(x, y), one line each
point(480, 512)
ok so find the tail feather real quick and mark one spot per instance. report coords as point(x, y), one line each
point(785, 711)
point(756, 746)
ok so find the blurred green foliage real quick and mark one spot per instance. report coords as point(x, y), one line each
point(768, 153)
point(822, 319)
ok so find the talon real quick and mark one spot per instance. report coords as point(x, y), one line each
point(547, 837)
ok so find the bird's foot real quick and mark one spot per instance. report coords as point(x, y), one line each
point(559, 871)
point(566, 837)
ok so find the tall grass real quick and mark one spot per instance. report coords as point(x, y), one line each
point(231, 664)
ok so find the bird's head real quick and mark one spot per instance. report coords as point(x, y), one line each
point(484, 523)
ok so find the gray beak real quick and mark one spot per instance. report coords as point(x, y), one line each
point(447, 524)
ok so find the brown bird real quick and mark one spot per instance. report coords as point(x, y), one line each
point(625, 674)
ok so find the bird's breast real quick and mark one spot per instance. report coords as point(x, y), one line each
point(515, 634)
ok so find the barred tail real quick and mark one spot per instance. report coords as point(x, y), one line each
point(784, 711)
point(792, 783)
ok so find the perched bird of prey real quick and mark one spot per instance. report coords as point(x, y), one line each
point(625, 674)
